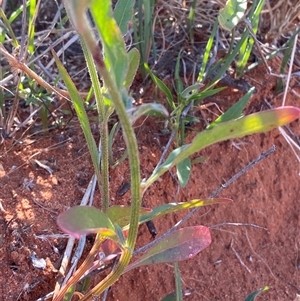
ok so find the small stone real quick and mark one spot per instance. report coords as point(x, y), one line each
point(2, 171)
point(39, 263)
point(54, 180)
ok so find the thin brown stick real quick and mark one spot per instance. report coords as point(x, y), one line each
point(16, 64)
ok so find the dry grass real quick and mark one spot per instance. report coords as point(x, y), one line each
point(278, 19)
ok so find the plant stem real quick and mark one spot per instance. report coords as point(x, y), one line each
point(111, 278)
point(103, 182)
point(132, 149)
point(105, 166)
point(83, 268)
point(78, 20)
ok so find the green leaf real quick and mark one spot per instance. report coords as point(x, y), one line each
point(186, 93)
point(253, 295)
point(178, 81)
point(246, 48)
point(232, 13)
point(112, 40)
point(174, 207)
point(235, 111)
point(229, 59)
point(82, 220)
point(80, 111)
point(204, 94)
point(161, 85)
point(7, 26)
point(120, 234)
point(169, 297)
point(69, 293)
point(172, 296)
point(133, 64)
point(148, 109)
point(207, 53)
point(123, 13)
point(254, 123)
point(184, 171)
point(121, 214)
point(199, 160)
point(179, 245)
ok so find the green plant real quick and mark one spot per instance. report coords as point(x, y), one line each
point(143, 30)
point(25, 87)
point(106, 226)
point(115, 226)
point(192, 95)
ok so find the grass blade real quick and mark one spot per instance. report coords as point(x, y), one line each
point(235, 111)
point(254, 123)
point(253, 295)
point(161, 85)
point(81, 113)
point(207, 52)
point(174, 207)
point(247, 46)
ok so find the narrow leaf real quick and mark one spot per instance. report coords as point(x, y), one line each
point(133, 64)
point(178, 81)
point(235, 111)
point(161, 85)
point(148, 109)
point(174, 207)
point(186, 93)
point(82, 220)
point(179, 245)
point(184, 171)
point(254, 123)
point(121, 214)
point(7, 26)
point(246, 48)
point(170, 297)
point(228, 59)
point(123, 13)
point(204, 94)
point(253, 295)
point(80, 111)
point(69, 294)
point(112, 40)
point(208, 50)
